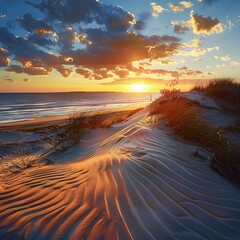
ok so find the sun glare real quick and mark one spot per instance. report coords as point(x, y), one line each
point(139, 87)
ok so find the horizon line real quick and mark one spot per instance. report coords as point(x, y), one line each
point(81, 92)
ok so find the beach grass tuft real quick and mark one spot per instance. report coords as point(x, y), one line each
point(225, 90)
point(80, 123)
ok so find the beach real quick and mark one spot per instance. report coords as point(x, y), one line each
point(119, 120)
point(131, 179)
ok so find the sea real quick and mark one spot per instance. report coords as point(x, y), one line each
point(26, 106)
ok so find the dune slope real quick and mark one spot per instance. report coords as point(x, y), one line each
point(138, 183)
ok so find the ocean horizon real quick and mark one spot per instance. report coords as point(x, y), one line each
point(27, 106)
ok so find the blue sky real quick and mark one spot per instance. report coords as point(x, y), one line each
point(107, 45)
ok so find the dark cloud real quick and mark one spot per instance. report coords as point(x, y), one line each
point(71, 11)
point(65, 72)
point(8, 79)
point(96, 74)
point(183, 68)
point(114, 18)
point(34, 60)
point(108, 49)
point(122, 73)
point(41, 40)
point(86, 73)
point(139, 25)
point(67, 37)
point(30, 70)
point(4, 60)
point(19, 46)
point(29, 23)
point(209, 2)
point(180, 29)
point(205, 25)
point(62, 41)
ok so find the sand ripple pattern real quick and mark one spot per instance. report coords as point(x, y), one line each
point(142, 184)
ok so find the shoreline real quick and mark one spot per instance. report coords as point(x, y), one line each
point(62, 120)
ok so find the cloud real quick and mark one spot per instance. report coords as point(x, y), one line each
point(113, 17)
point(220, 65)
point(29, 71)
point(67, 37)
point(198, 51)
point(208, 2)
point(156, 9)
point(182, 72)
point(4, 59)
point(156, 76)
point(205, 25)
point(68, 11)
point(8, 79)
point(2, 16)
point(139, 25)
point(223, 58)
point(230, 24)
point(86, 73)
point(180, 28)
point(122, 73)
point(95, 40)
point(226, 58)
point(108, 49)
point(175, 8)
point(96, 74)
point(29, 23)
point(235, 63)
point(197, 59)
point(195, 42)
point(196, 48)
point(166, 61)
point(186, 4)
point(65, 72)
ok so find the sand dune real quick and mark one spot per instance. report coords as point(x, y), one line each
point(137, 182)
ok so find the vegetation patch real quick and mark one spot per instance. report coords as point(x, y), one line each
point(225, 90)
point(182, 115)
point(80, 123)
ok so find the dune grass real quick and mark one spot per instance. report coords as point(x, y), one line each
point(182, 115)
point(80, 123)
point(224, 89)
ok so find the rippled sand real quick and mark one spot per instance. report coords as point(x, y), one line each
point(138, 183)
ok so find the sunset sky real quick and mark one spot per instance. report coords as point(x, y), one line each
point(109, 45)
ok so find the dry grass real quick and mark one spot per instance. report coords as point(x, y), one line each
point(182, 115)
point(224, 89)
point(80, 123)
point(197, 88)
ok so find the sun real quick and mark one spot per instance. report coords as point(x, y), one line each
point(139, 87)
